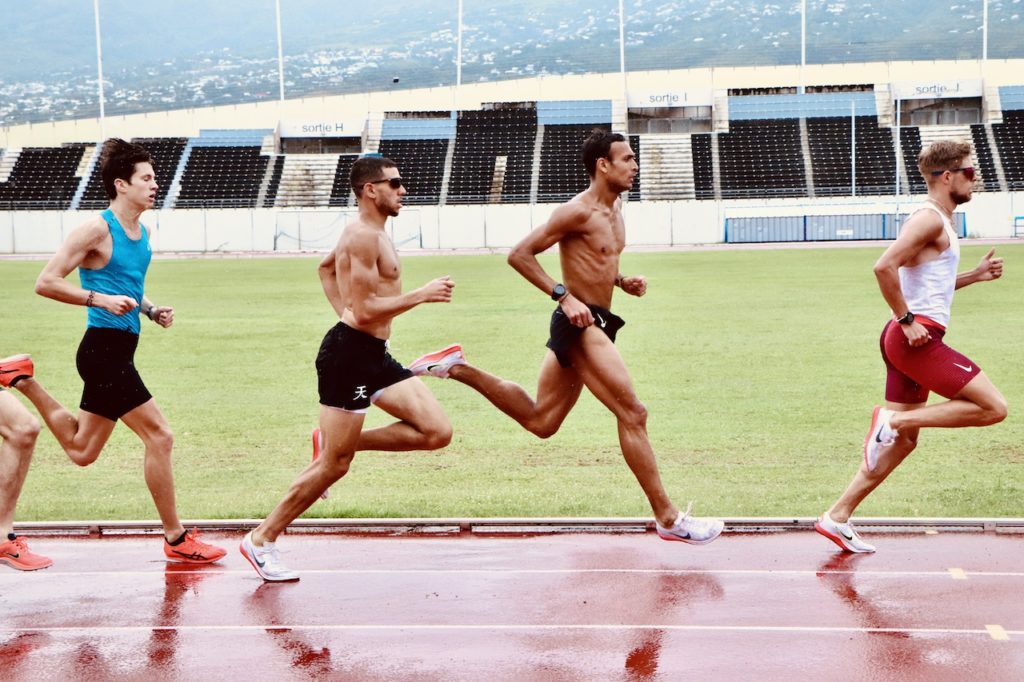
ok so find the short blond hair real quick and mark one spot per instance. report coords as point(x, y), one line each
point(942, 155)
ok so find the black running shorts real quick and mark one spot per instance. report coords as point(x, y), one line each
point(564, 334)
point(352, 367)
point(106, 363)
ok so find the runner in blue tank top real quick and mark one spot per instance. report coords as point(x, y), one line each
point(112, 254)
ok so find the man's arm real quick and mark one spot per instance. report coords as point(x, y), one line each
point(564, 221)
point(920, 230)
point(327, 271)
point(163, 315)
point(988, 269)
point(51, 282)
point(367, 306)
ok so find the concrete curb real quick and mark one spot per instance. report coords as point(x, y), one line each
point(518, 525)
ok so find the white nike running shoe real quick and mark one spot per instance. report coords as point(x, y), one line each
point(691, 529)
point(439, 363)
point(266, 561)
point(842, 534)
point(880, 436)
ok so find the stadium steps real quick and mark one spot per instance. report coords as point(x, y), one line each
point(993, 102)
point(668, 168)
point(538, 145)
point(268, 176)
point(8, 161)
point(498, 179)
point(996, 158)
point(716, 167)
point(372, 136)
point(306, 180)
point(805, 149)
point(446, 179)
point(883, 105)
point(85, 168)
point(720, 113)
point(931, 134)
point(175, 190)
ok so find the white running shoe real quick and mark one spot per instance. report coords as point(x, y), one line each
point(691, 529)
point(842, 534)
point(880, 436)
point(439, 363)
point(266, 561)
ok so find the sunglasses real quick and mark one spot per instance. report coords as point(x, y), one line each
point(968, 172)
point(394, 183)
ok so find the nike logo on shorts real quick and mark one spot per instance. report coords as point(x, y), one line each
point(968, 368)
point(603, 325)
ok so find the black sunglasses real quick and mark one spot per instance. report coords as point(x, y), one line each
point(394, 183)
point(968, 172)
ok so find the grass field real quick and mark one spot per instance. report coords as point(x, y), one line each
point(759, 369)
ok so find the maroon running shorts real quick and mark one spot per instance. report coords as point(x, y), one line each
point(913, 372)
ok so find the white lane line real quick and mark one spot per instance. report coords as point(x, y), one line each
point(92, 630)
point(997, 633)
point(956, 573)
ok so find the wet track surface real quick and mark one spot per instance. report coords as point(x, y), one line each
point(580, 606)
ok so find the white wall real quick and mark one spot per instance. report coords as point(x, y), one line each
point(188, 122)
point(492, 226)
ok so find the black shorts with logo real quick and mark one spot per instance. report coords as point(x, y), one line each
point(564, 334)
point(106, 363)
point(352, 367)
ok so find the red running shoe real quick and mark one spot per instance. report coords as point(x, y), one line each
point(15, 553)
point(192, 550)
point(15, 368)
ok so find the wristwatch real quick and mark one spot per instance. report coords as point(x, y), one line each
point(906, 319)
point(559, 292)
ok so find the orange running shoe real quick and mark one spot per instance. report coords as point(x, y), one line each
point(15, 553)
point(438, 363)
point(15, 368)
point(318, 444)
point(192, 550)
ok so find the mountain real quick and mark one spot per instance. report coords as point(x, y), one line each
point(186, 53)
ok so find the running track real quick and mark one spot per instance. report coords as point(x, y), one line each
point(499, 606)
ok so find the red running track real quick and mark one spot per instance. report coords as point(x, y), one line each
point(772, 606)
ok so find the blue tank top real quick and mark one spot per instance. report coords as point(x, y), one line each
point(124, 275)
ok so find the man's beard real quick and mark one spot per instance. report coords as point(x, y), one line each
point(959, 198)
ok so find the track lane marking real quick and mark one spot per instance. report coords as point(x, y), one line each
point(997, 633)
point(955, 573)
point(991, 631)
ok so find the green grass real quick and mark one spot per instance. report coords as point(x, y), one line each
point(759, 369)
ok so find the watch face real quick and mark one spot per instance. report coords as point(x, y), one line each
point(558, 292)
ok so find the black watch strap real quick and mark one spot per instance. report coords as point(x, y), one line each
point(906, 319)
point(558, 292)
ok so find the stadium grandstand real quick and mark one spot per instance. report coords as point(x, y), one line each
point(740, 154)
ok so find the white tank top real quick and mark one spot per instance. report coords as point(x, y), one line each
point(928, 288)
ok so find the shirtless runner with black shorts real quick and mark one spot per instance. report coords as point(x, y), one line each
point(591, 235)
point(361, 278)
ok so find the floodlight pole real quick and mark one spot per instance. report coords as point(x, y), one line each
point(984, 32)
point(622, 61)
point(853, 147)
point(280, 50)
point(99, 61)
point(803, 43)
point(898, 148)
point(458, 49)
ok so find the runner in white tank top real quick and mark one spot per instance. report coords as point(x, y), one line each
point(917, 276)
point(928, 287)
